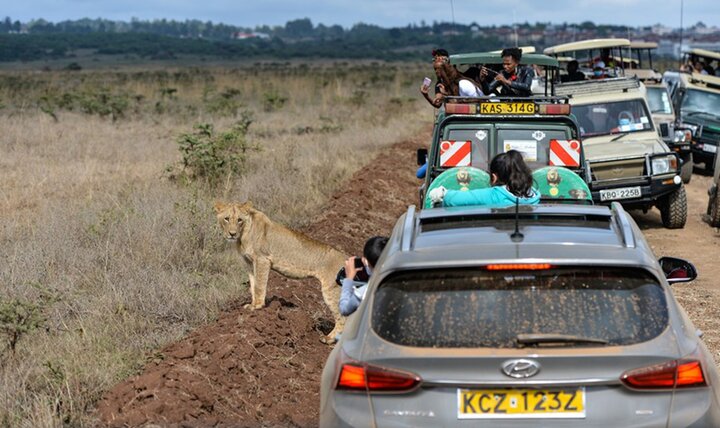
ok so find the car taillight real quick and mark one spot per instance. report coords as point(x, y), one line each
point(357, 376)
point(682, 373)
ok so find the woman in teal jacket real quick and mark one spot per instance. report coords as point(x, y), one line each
point(511, 181)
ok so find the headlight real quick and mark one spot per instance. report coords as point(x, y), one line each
point(682, 136)
point(663, 164)
point(693, 128)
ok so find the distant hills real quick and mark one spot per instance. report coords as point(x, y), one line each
point(163, 39)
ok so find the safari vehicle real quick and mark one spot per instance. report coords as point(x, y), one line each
point(469, 132)
point(628, 160)
point(676, 137)
point(713, 210)
point(610, 51)
point(546, 315)
point(696, 99)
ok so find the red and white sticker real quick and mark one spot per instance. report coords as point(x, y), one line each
point(455, 153)
point(564, 153)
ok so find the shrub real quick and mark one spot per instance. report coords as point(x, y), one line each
point(273, 100)
point(211, 155)
point(17, 318)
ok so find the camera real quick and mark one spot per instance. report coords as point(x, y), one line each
point(361, 276)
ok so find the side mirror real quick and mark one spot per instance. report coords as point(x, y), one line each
point(422, 156)
point(677, 270)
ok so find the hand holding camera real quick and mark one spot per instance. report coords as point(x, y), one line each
point(354, 268)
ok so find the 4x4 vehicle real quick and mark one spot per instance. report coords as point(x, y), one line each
point(469, 132)
point(628, 160)
point(676, 137)
point(571, 324)
point(696, 98)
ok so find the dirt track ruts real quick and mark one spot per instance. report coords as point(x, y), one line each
point(262, 368)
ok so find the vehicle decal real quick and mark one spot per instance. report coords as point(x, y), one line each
point(538, 135)
point(455, 153)
point(528, 148)
point(564, 153)
point(481, 134)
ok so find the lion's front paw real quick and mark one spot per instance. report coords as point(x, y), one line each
point(253, 306)
point(328, 340)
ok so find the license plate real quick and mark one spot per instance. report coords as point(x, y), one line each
point(710, 148)
point(521, 403)
point(507, 108)
point(622, 193)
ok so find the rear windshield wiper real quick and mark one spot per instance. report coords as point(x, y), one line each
point(550, 339)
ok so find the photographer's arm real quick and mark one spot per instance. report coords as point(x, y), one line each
point(348, 300)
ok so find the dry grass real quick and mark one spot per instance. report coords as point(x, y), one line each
point(119, 260)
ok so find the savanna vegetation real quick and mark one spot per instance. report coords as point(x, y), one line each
point(108, 243)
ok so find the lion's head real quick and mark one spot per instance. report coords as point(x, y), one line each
point(232, 218)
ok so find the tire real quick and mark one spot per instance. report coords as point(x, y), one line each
point(686, 169)
point(714, 209)
point(673, 209)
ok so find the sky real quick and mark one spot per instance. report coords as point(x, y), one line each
point(385, 13)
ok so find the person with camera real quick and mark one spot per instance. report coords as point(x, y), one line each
point(357, 272)
point(514, 80)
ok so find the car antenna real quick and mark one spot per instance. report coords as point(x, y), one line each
point(516, 235)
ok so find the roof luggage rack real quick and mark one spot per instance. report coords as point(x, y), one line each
point(535, 98)
point(598, 86)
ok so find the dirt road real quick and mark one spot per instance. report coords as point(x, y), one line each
point(262, 368)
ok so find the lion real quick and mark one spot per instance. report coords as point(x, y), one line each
point(264, 245)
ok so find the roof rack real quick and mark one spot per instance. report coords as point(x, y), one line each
point(408, 229)
point(620, 216)
point(596, 86)
point(534, 98)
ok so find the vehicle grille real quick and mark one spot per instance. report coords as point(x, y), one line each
point(618, 169)
point(710, 135)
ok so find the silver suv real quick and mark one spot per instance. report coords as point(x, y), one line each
point(548, 315)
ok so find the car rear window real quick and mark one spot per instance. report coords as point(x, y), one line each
point(470, 308)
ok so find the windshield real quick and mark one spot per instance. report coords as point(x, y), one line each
point(700, 101)
point(612, 118)
point(659, 100)
point(468, 308)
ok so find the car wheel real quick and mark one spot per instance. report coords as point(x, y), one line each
point(673, 209)
point(687, 169)
point(714, 209)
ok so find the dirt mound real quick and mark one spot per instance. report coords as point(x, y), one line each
point(262, 368)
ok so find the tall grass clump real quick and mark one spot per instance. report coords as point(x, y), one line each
point(103, 259)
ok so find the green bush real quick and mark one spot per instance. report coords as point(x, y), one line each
point(211, 155)
point(17, 318)
point(273, 100)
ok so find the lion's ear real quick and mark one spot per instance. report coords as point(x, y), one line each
point(219, 206)
point(247, 204)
